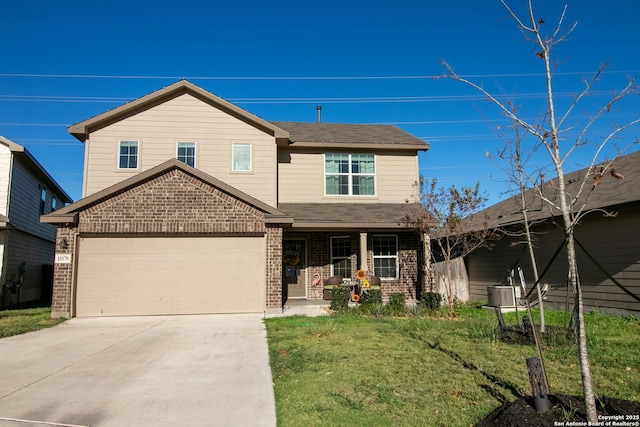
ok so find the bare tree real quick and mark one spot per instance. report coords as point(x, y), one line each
point(516, 159)
point(447, 216)
point(560, 139)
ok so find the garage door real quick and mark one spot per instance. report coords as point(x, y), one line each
point(157, 275)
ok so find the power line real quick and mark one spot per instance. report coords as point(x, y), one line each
point(399, 77)
point(304, 100)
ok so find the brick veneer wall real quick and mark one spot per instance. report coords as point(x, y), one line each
point(63, 273)
point(173, 203)
point(319, 260)
point(274, 267)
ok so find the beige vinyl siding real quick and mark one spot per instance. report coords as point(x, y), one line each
point(183, 119)
point(613, 242)
point(35, 252)
point(301, 177)
point(24, 203)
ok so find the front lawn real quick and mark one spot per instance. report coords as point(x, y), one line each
point(433, 371)
point(15, 322)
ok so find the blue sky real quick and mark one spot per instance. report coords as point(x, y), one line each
point(363, 61)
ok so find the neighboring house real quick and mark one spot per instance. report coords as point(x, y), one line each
point(27, 247)
point(614, 242)
point(193, 205)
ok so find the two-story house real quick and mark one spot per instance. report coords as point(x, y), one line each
point(193, 205)
point(27, 247)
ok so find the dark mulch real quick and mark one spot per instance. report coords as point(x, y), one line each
point(563, 408)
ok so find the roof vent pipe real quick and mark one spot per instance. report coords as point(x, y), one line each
point(319, 108)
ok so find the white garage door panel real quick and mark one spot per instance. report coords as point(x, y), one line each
point(157, 275)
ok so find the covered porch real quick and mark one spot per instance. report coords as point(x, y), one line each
point(317, 247)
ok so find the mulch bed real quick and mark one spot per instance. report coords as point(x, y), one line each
point(563, 409)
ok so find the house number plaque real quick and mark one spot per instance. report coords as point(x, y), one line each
point(63, 258)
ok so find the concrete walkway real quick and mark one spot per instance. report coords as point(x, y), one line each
point(209, 370)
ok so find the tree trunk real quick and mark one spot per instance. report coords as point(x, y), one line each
point(581, 335)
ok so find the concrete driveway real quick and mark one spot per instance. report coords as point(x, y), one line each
point(206, 370)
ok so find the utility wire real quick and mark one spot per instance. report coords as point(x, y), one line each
point(400, 77)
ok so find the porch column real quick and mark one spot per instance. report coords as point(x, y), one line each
point(363, 252)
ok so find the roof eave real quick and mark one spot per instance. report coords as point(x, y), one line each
point(364, 145)
point(54, 218)
point(349, 225)
point(272, 219)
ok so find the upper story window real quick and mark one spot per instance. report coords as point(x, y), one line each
point(241, 158)
point(385, 256)
point(128, 155)
point(43, 199)
point(341, 256)
point(54, 202)
point(187, 153)
point(350, 174)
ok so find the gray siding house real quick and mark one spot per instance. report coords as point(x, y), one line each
point(613, 241)
point(27, 247)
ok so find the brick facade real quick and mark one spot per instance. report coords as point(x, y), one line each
point(173, 203)
point(319, 260)
point(274, 268)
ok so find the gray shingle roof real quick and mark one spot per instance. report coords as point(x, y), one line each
point(367, 214)
point(349, 133)
point(611, 193)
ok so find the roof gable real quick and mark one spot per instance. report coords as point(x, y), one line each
point(69, 213)
point(82, 129)
point(35, 167)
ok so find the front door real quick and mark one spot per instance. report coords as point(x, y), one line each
point(294, 260)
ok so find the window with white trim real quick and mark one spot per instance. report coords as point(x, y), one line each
point(128, 152)
point(241, 161)
point(341, 256)
point(186, 153)
point(385, 256)
point(350, 174)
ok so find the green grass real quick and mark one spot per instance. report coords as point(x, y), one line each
point(15, 322)
point(431, 371)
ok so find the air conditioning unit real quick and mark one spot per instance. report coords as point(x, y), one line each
point(502, 296)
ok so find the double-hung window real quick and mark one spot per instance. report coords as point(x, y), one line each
point(54, 202)
point(350, 174)
point(186, 153)
point(341, 256)
point(241, 158)
point(385, 256)
point(128, 155)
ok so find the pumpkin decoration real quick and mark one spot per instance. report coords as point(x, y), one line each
point(355, 297)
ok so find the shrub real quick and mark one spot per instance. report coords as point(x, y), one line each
point(397, 304)
point(340, 296)
point(431, 300)
point(372, 296)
